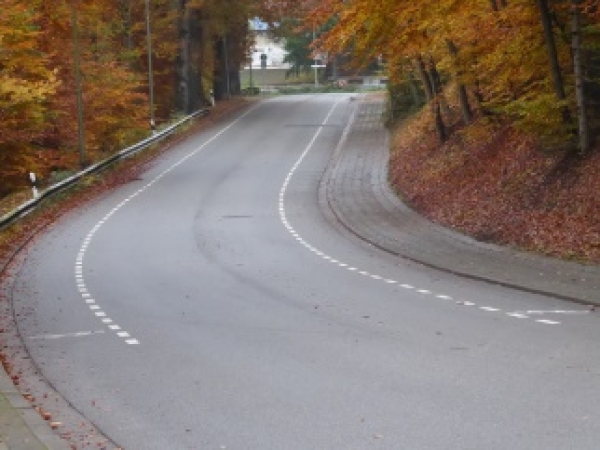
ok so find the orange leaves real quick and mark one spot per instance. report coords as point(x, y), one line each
point(26, 81)
point(116, 110)
point(38, 114)
point(496, 50)
point(26, 84)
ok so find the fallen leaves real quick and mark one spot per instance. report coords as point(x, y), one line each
point(494, 183)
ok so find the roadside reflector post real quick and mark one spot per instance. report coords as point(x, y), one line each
point(33, 180)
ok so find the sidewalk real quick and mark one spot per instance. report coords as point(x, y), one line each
point(21, 427)
point(357, 191)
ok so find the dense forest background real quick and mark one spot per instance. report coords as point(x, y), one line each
point(61, 58)
point(495, 106)
point(498, 100)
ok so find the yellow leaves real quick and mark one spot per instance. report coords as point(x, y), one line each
point(26, 81)
point(18, 90)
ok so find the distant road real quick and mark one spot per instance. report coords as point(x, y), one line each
point(214, 304)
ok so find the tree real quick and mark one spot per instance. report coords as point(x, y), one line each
point(26, 83)
point(521, 66)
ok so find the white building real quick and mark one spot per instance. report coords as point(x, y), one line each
point(273, 51)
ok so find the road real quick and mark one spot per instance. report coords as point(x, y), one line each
point(213, 303)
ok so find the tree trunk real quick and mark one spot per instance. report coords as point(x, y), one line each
point(183, 59)
point(190, 96)
point(557, 79)
point(126, 14)
point(440, 126)
point(438, 88)
point(584, 134)
point(463, 98)
point(430, 85)
point(414, 91)
point(425, 80)
point(220, 70)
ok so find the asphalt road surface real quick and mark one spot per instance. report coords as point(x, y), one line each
point(214, 304)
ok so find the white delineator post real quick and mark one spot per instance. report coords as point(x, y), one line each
point(33, 180)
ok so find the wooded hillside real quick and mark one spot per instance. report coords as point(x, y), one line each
point(59, 59)
point(537, 63)
point(498, 103)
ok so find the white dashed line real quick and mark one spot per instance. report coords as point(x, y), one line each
point(66, 335)
point(79, 260)
point(517, 316)
point(547, 322)
point(326, 257)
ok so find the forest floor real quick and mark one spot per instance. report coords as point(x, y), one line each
point(497, 184)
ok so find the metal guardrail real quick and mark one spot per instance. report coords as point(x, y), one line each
point(32, 204)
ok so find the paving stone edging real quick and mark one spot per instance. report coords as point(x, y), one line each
point(356, 190)
point(21, 426)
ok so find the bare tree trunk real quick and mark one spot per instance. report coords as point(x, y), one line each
point(584, 133)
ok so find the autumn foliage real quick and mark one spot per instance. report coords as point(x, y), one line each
point(534, 62)
point(499, 103)
point(38, 90)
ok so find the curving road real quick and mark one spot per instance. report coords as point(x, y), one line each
point(213, 304)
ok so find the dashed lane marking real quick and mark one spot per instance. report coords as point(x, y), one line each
point(79, 266)
point(376, 277)
point(547, 322)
